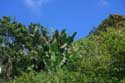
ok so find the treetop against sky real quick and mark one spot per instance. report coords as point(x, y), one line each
point(74, 15)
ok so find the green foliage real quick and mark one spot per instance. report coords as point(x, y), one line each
point(38, 56)
point(102, 55)
point(24, 49)
point(115, 21)
point(61, 77)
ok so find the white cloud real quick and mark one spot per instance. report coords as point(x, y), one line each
point(104, 2)
point(35, 5)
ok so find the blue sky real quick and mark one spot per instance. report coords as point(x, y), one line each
point(74, 15)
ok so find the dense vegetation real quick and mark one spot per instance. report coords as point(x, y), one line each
point(33, 55)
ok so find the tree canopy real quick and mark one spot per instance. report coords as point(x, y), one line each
point(33, 54)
